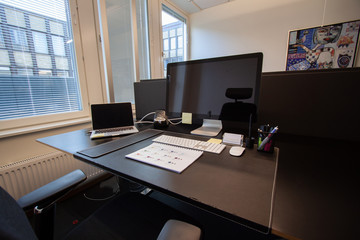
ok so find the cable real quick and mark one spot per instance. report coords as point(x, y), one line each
point(175, 119)
point(144, 122)
point(106, 198)
point(101, 199)
point(323, 17)
point(170, 120)
point(141, 120)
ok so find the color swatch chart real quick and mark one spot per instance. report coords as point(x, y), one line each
point(173, 158)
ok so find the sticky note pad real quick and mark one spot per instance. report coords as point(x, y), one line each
point(186, 118)
point(214, 140)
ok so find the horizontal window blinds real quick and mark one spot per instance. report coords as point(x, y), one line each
point(38, 73)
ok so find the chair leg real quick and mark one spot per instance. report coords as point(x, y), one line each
point(44, 223)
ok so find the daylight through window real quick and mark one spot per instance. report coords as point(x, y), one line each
point(174, 33)
point(38, 73)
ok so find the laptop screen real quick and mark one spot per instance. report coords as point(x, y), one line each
point(111, 115)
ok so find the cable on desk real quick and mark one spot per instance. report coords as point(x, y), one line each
point(170, 120)
point(144, 122)
point(141, 120)
point(175, 119)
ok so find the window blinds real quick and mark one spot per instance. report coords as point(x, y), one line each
point(38, 73)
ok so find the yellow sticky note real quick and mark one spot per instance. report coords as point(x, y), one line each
point(214, 140)
point(186, 118)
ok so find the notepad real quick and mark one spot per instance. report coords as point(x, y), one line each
point(172, 158)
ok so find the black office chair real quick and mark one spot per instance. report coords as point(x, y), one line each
point(127, 216)
point(238, 110)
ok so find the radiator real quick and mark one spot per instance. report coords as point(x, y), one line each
point(22, 177)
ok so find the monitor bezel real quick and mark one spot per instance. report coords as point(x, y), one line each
point(257, 55)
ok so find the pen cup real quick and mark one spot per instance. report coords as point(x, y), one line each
point(266, 141)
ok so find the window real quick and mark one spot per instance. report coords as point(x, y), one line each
point(58, 45)
point(14, 17)
point(40, 42)
point(2, 41)
point(38, 72)
point(18, 39)
point(37, 23)
point(173, 27)
point(166, 44)
point(129, 56)
point(43, 61)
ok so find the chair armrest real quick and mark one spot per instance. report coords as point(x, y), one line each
point(178, 230)
point(53, 190)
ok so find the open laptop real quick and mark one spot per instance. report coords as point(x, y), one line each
point(112, 119)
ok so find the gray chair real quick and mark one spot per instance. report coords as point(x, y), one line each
point(127, 216)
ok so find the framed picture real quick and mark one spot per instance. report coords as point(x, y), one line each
point(324, 47)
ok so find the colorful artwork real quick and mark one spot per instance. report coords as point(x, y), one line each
point(332, 46)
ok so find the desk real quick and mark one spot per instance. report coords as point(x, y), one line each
point(316, 197)
point(238, 188)
point(317, 188)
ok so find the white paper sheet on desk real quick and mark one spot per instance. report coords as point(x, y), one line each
point(173, 158)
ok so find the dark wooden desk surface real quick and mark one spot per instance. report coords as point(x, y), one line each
point(317, 194)
point(238, 188)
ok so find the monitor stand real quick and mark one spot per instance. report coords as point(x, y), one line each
point(210, 128)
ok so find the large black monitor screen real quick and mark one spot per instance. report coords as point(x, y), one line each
point(199, 86)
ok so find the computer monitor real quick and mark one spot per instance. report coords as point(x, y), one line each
point(199, 86)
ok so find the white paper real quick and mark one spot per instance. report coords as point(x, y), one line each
point(173, 158)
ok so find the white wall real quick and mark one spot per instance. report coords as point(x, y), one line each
point(246, 26)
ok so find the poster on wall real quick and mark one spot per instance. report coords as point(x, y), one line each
point(331, 46)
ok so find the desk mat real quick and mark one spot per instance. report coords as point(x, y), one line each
point(115, 145)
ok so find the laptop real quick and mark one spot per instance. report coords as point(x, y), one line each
point(112, 119)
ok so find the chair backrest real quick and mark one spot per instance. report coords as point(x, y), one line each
point(238, 93)
point(238, 111)
point(13, 221)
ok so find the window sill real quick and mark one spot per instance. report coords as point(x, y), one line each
point(42, 127)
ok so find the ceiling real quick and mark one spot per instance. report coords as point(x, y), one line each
point(193, 6)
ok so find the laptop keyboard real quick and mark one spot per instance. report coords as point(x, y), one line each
point(119, 129)
point(109, 132)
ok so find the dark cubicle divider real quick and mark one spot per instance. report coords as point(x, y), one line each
point(317, 113)
point(319, 103)
point(150, 95)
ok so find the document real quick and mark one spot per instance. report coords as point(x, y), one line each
point(172, 158)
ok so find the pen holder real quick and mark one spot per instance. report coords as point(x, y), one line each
point(266, 141)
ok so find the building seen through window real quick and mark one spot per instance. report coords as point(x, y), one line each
point(174, 36)
point(38, 73)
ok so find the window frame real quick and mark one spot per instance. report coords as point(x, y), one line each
point(18, 126)
point(156, 37)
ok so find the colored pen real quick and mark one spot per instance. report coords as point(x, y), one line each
point(261, 147)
